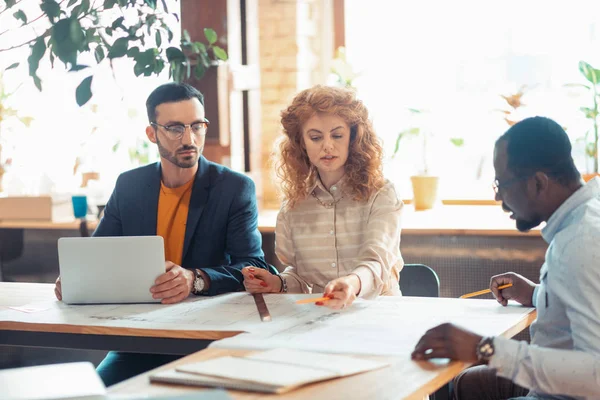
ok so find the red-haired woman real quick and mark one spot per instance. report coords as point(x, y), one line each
point(338, 231)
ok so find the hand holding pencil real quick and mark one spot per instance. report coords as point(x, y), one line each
point(521, 289)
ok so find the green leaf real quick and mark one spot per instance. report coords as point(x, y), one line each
point(199, 71)
point(211, 35)
point(63, 45)
point(158, 38)
point(220, 53)
point(577, 85)
point(133, 52)
point(108, 4)
point(117, 23)
point(51, 8)
point(164, 4)
point(186, 36)
point(174, 54)
point(38, 82)
point(12, 66)
point(99, 54)
point(457, 141)
point(589, 72)
point(20, 15)
point(10, 3)
point(119, 48)
point(82, 8)
point(590, 150)
point(37, 52)
point(83, 93)
point(71, 2)
point(76, 34)
point(170, 35)
point(78, 67)
point(589, 112)
point(151, 3)
point(199, 47)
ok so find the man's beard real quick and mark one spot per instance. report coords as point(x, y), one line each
point(178, 160)
point(527, 225)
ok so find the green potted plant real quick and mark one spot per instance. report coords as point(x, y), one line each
point(425, 185)
point(592, 75)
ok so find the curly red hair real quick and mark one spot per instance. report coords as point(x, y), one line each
point(363, 169)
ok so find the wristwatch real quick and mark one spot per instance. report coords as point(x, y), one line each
point(198, 286)
point(485, 349)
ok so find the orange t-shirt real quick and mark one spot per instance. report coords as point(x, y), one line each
point(173, 206)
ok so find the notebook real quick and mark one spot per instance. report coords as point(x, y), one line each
point(273, 371)
point(52, 382)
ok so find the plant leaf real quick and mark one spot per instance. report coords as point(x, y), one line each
point(220, 53)
point(76, 68)
point(99, 54)
point(10, 3)
point(37, 52)
point(51, 8)
point(186, 36)
point(20, 15)
point(119, 48)
point(174, 54)
point(12, 66)
point(83, 93)
point(158, 38)
point(151, 3)
point(164, 4)
point(71, 2)
point(211, 35)
point(589, 72)
point(457, 141)
point(199, 70)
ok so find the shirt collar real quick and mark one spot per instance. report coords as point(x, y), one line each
point(318, 188)
point(581, 196)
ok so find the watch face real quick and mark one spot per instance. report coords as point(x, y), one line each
point(486, 350)
point(198, 284)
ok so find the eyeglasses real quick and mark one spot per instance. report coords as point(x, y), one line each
point(176, 131)
point(497, 186)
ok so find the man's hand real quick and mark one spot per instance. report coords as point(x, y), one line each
point(341, 291)
point(447, 341)
point(258, 280)
point(174, 285)
point(58, 289)
point(521, 290)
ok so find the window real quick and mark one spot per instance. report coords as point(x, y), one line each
point(455, 59)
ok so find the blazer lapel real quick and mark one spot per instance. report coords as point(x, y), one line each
point(150, 202)
point(197, 202)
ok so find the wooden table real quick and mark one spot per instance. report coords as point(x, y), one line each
point(443, 220)
point(91, 337)
point(404, 379)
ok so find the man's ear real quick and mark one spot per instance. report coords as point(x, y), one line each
point(541, 181)
point(151, 133)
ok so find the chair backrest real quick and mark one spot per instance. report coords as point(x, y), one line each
point(419, 280)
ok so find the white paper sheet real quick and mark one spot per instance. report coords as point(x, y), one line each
point(229, 312)
point(388, 326)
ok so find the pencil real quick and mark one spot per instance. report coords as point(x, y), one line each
point(466, 296)
point(313, 300)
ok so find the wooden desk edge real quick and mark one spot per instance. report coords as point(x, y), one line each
point(113, 331)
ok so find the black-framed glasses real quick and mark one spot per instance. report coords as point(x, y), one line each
point(176, 131)
point(497, 186)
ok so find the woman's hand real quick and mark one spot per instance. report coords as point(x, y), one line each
point(258, 280)
point(341, 291)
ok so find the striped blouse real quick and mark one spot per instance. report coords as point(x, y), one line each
point(329, 235)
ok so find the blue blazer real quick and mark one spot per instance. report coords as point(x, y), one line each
point(221, 235)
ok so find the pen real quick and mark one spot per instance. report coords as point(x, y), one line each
point(466, 296)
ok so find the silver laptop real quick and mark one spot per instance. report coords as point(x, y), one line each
point(96, 270)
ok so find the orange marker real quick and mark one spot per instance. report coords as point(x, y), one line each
point(313, 300)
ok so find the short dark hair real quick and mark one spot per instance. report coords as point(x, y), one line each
point(170, 93)
point(540, 144)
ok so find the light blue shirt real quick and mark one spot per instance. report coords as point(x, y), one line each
point(564, 355)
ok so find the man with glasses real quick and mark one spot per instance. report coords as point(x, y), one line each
point(205, 212)
point(537, 181)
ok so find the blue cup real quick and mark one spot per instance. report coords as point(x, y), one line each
point(79, 206)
